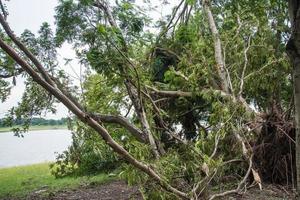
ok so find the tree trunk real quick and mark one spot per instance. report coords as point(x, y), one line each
point(221, 68)
point(293, 50)
point(296, 75)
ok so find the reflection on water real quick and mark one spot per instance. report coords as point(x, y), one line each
point(35, 147)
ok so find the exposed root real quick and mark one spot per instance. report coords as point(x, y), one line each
point(274, 150)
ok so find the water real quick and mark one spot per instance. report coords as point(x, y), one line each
point(35, 147)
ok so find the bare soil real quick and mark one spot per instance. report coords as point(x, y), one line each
point(119, 190)
point(116, 190)
point(269, 192)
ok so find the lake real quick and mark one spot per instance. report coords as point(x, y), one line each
point(35, 147)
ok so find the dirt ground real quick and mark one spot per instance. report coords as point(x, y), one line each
point(269, 192)
point(118, 190)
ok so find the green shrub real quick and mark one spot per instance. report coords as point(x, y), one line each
point(88, 154)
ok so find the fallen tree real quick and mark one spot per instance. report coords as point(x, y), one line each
point(193, 80)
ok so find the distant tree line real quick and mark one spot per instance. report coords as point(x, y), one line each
point(36, 122)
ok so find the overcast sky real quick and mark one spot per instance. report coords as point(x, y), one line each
point(30, 14)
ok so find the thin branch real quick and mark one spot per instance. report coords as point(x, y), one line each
point(196, 188)
point(188, 14)
point(170, 93)
point(122, 121)
point(205, 186)
point(263, 67)
point(168, 27)
point(179, 17)
point(4, 12)
point(232, 161)
point(128, 111)
point(245, 66)
point(174, 14)
point(178, 93)
point(64, 90)
point(160, 100)
point(18, 72)
point(237, 190)
point(175, 94)
point(217, 139)
point(161, 121)
point(141, 114)
point(131, 64)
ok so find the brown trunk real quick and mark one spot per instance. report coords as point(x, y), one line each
point(293, 50)
point(297, 118)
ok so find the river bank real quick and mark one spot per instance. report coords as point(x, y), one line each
point(35, 128)
point(35, 182)
point(18, 182)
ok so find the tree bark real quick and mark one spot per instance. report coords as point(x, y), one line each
point(293, 50)
point(296, 76)
point(221, 68)
point(122, 121)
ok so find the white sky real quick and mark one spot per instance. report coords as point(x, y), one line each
point(30, 14)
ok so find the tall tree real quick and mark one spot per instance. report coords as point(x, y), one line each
point(293, 49)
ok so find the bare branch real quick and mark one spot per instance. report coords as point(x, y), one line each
point(217, 139)
point(221, 68)
point(195, 191)
point(170, 93)
point(136, 132)
point(175, 94)
point(245, 66)
point(173, 16)
point(178, 93)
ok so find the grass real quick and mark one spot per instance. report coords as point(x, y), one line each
point(20, 181)
point(35, 128)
